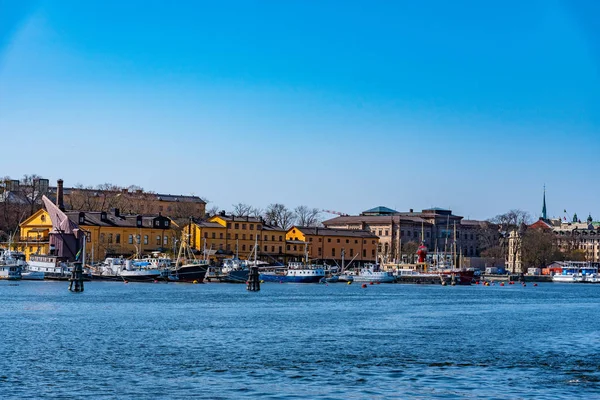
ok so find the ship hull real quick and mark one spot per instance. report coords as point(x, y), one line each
point(290, 279)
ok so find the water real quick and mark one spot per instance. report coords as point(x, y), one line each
point(291, 341)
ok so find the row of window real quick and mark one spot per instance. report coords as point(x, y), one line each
point(108, 238)
point(244, 226)
point(236, 236)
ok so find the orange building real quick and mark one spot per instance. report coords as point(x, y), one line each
point(328, 245)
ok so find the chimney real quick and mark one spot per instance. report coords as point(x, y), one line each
point(116, 212)
point(411, 210)
point(59, 195)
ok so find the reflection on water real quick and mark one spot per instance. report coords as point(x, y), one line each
point(332, 341)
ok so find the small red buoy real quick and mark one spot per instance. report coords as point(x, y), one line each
point(502, 284)
point(477, 282)
point(155, 281)
point(370, 283)
point(364, 285)
point(535, 284)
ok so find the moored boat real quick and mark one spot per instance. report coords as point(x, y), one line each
point(295, 272)
point(372, 273)
point(578, 272)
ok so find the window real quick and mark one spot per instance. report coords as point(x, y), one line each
point(364, 253)
point(355, 241)
point(158, 240)
point(379, 232)
point(206, 235)
point(310, 239)
point(118, 238)
point(138, 239)
point(387, 233)
point(251, 237)
point(266, 238)
point(338, 240)
point(251, 227)
point(166, 224)
point(214, 235)
point(145, 239)
point(328, 240)
point(102, 238)
point(273, 237)
point(243, 236)
point(229, 225)
point(237, 226)
point(288, 247)
point(280, 249)
point(351, 252)
point(243, 247)
point(319, 240)
point(221, 235)
point(333, 252)
point(266, 248)
point(236, 236)
point(228, 247)
point(259, 226)
point(347, 241)
point(229, 236)
point(320, 251)
point(165, 241)
point(110, 238)
point(130, 239)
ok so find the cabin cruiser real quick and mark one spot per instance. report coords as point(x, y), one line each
point(372, 273)
point(578, 272)
point(11, 265)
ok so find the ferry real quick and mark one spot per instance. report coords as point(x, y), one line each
point(578, 272)
point(296, 272)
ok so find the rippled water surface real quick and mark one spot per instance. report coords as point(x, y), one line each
point(332, 341)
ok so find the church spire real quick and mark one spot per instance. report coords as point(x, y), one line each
point(544, 215)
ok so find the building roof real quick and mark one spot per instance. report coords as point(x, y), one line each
point(207, 224)
point(95, 218)
point(376, 219)
point(226, 217)
point(148, 195)
point(380, 210)
point(316, 231)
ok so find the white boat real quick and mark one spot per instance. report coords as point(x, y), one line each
point(11, 265)
point(296, 272)
point(109, 269)
point(140, 271)
point(372, 273)
point(52, 267)
point(578, 272)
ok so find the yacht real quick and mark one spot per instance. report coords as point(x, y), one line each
point(296, 272)
point(372, 273)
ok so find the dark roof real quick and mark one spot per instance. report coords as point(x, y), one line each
point(149, 195)
point(94, 218)
point(335, 232)
point(239, 219)
point(207, 224)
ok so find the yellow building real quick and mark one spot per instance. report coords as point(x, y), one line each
point(325, 244)
point(108, 234)
point(34, 234)
point(230, 235)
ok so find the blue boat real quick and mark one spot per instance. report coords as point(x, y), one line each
point(296, 272)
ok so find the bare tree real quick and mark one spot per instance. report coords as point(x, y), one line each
point(538, 248)
point(410, 248)
point(511, 219)
point(279, 215)
point(306, 216)
point(213, 210)
point(242, 210)
point(256, 212)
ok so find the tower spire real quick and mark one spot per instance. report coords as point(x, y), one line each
point(544, 215)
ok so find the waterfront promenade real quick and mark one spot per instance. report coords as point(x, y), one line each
point(341, 341)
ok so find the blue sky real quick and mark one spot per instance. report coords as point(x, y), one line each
point(347, 105)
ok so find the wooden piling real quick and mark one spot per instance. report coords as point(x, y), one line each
point(253, 280)
point(76, 279)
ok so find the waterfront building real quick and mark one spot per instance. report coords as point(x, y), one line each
point(572, 236)
point(435, 227)
point(328, 244)
point(229, 235)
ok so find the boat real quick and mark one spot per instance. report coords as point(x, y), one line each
point(11, 265)
point(140, 271)
point(32, 276)
point(372, 273)
point(295, 272)
point(109, 269)
point(187, 267)
point(578, 272)
point(53, 267)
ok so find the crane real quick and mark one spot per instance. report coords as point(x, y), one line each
point(341, 214)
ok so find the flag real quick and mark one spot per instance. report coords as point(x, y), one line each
point(77, 255)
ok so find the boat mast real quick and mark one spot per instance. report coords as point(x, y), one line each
point(454, 248)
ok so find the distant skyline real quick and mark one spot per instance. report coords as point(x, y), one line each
point(467, 105)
